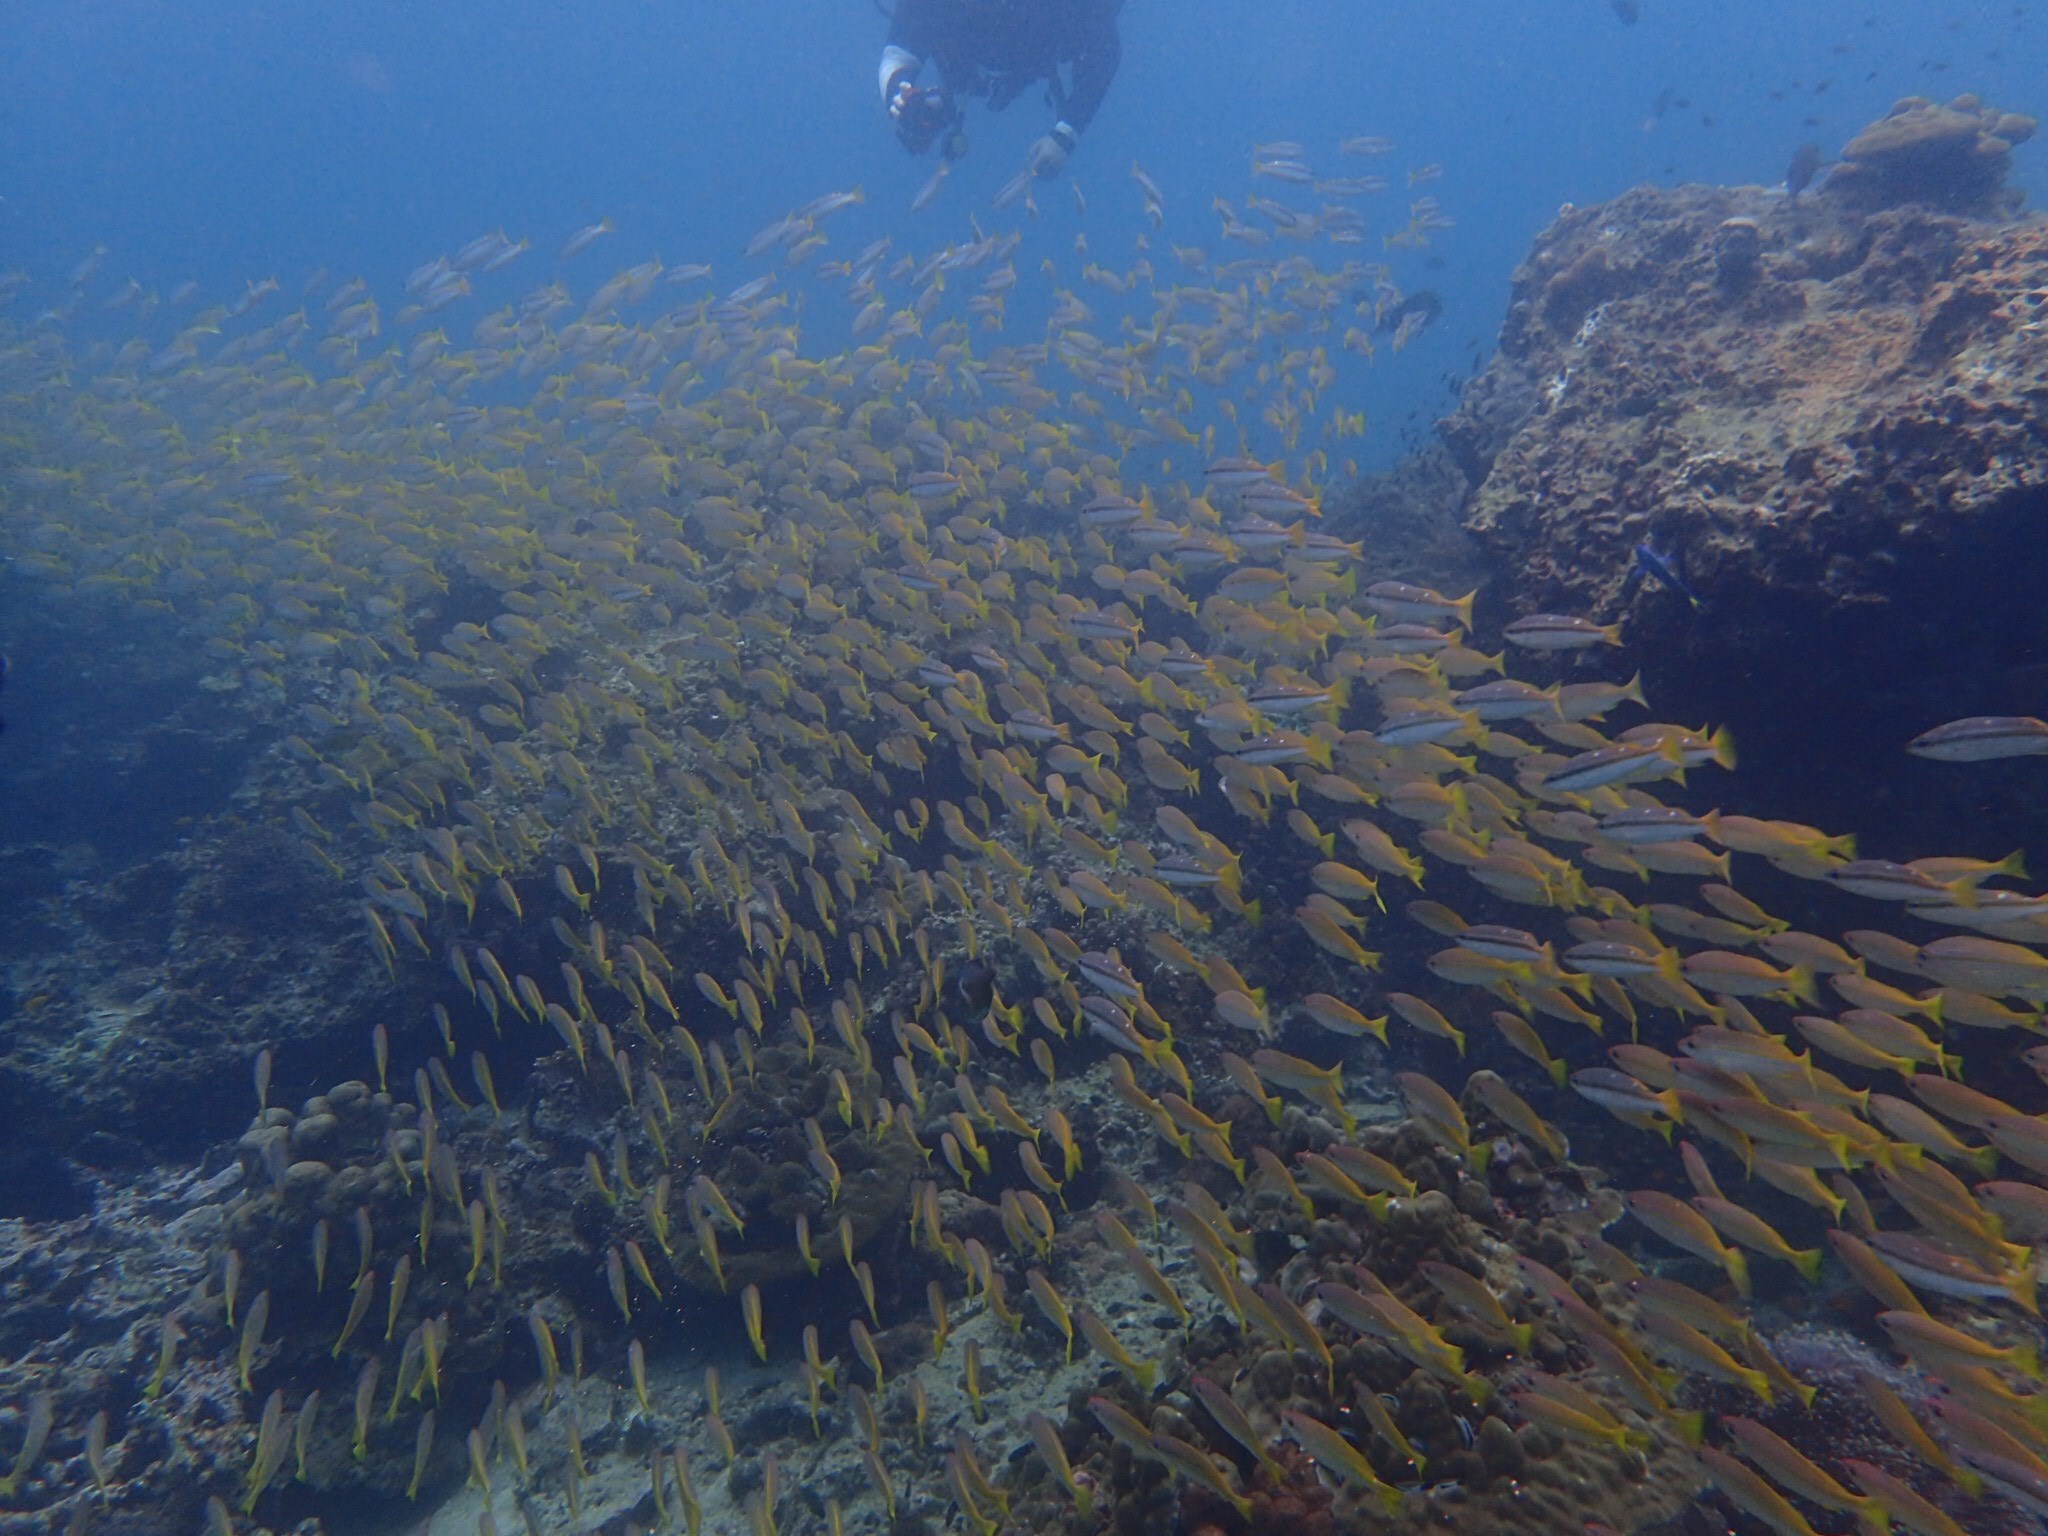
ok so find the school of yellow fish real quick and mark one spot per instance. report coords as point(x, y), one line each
point(621, 634)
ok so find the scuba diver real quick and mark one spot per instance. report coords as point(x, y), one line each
point(998, 48)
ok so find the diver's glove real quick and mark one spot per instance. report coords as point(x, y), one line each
point(919, 115)
point(1050, 154)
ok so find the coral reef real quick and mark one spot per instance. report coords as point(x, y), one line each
point(745, 995)
point(1953, 157)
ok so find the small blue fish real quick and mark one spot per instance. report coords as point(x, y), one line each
point(1654, 563)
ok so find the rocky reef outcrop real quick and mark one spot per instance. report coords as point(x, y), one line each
point(1821, 417)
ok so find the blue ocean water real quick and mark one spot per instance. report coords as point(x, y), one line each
point(248, 139)
point(256, 585)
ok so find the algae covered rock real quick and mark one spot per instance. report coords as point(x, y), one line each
point(1792, 445)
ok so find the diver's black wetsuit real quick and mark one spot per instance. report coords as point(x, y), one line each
point(999, 48)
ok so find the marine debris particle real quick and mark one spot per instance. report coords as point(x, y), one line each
point(848, 861)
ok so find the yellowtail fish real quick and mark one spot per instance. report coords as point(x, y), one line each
point(1790, 1468)
point(1560, 1406)
point(1685, 1346)
point(584, 238)
point(1749, 1492)
point(1103, 1340)
point(1560, 632)
point(1047, 1438)
point(1475, 1298)
point(1685, 1228)
point(1339, 1017)
point(1943, 1349)
point(1341, 1457)
point(1899, 1502)
point(1981, 738)
point(1403, 603)
point(1425, 1017)
point(1234, 1422)
point(1193, 1462)
point(1929, 1268)
point(1515, 1111)
point(1740, 1225)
